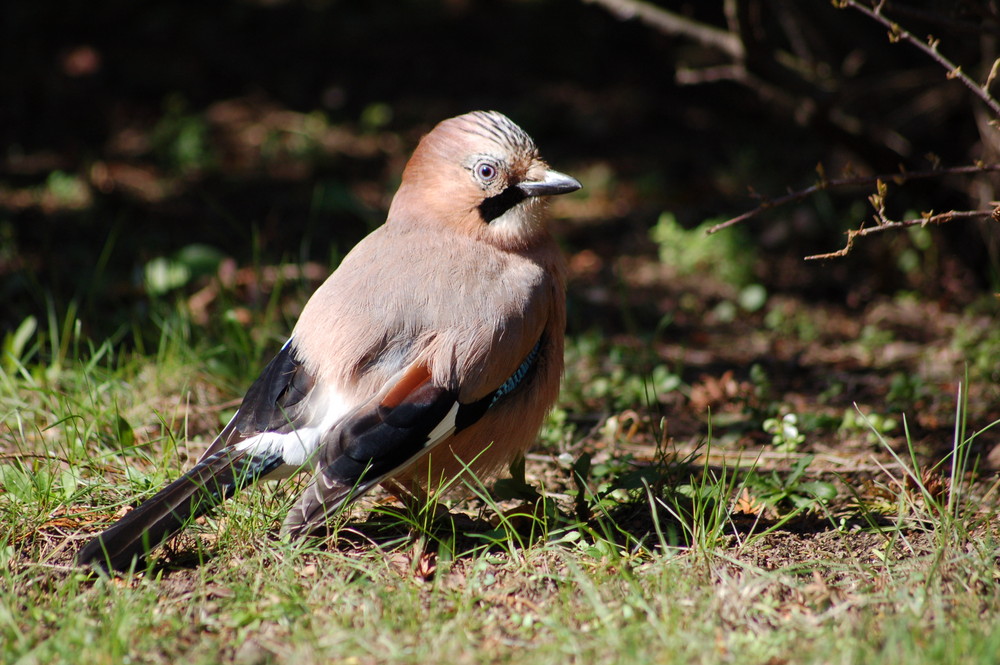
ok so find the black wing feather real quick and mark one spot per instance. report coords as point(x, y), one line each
point(272, 402)
point(382, 439)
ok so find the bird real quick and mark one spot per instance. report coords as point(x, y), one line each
point(434, 349)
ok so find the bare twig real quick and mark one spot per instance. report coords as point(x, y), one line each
point(856, 181)
point(941, 218)
point(670, 23)
point(930, 47)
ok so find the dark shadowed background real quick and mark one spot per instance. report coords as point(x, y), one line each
point(137, 139)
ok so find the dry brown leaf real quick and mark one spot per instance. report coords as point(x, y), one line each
point(747, 504)
point(720, 393)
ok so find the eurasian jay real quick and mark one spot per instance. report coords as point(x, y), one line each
point(435, 348)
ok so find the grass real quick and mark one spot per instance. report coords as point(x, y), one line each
point(667, 556)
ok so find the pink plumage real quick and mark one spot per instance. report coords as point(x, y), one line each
point(437, 344)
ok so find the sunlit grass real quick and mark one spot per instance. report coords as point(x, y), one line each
point(673, 559)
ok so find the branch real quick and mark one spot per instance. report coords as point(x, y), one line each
point(674, 24)
point(824, 184)
point(930, 47)
point(941, 218)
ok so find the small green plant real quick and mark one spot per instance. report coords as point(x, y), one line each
point(905, 390)
point(874, 425)
point(790, 319)
point(785, 434)
point(556, 430)
point(615, 376)
point(164, 274)
point(26, 486)
point(701, 508)
point(792, 489)
point(874, 338)
point(623, 387)
point(978, 340)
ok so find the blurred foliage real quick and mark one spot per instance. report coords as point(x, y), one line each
point(163, 274)
point(729, 256)
point(276, 131)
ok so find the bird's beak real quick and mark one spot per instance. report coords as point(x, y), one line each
point(553, 182)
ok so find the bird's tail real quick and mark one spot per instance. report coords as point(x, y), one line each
point(208, 484)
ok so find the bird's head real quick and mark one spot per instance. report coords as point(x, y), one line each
point(481, 174)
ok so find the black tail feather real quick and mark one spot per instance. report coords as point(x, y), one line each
point(208, 484)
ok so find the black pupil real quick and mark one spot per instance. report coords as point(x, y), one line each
point(486, 171)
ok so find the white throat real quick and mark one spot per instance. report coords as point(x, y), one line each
point(520, 222)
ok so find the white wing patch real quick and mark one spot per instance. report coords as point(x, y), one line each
point(444, 429)
point(298, 447)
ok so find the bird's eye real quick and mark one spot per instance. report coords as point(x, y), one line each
point(486, 171)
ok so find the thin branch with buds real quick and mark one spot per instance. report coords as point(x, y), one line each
point(857, 181)
point(733, 42)
point(941, 218)
point(930, 47)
